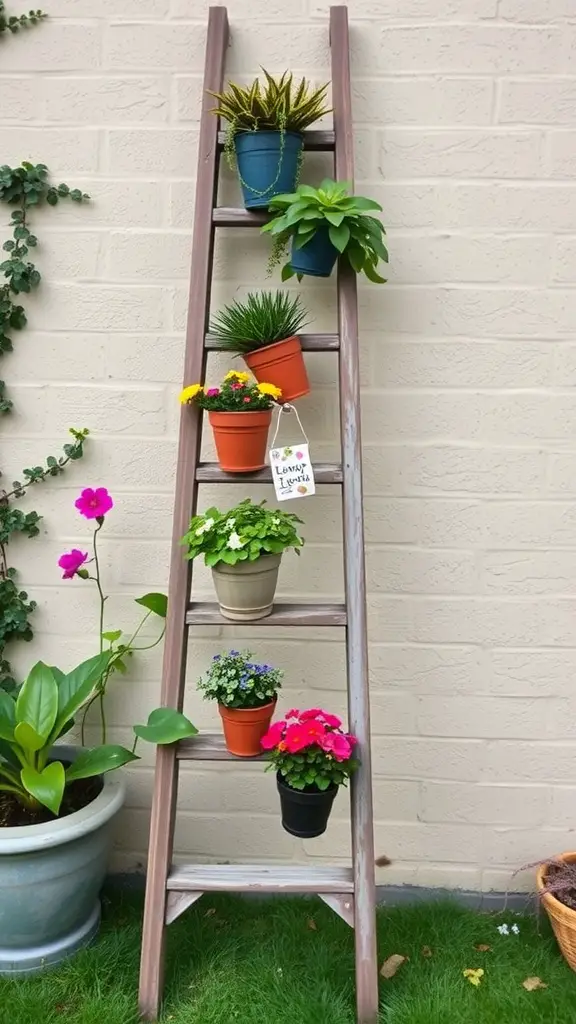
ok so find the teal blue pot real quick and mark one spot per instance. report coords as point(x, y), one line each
point(267, 165)
point(317, 257)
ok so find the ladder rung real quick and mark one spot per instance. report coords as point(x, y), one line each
point(210, 472)
point(316, 142)
point(207, 613)
point(309, 342)
point(231, 217)
point(209, 747)
point(259, 878)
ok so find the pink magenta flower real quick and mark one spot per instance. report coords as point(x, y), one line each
point(305, 716)
point(336, 744)
point(297, 738)
point(237, 386)
point(248, 399)
point(71, 561)
point(314, 730)
point(293, 713)
point(212, 392)
point(332, 720)
point(94, 504)
point(273, 736)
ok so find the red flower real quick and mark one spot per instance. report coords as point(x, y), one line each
point(332, 720)
point(293, 713)
point(315, 730)
point(237, 386)
point(248, 399)
point(273, 736)
point(94, 504)
point(297, 738)
point(311, 713)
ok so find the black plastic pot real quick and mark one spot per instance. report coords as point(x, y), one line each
point(305, 813)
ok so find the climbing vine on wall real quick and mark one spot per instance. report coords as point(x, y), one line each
point(23, 189)
point(14, 22)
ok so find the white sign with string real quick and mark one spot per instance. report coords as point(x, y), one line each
point(292, 472)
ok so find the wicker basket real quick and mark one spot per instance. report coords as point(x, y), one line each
point(562, 918)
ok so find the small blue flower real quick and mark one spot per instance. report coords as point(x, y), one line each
point(243, 684)
point(234, 653)
point(216, 657)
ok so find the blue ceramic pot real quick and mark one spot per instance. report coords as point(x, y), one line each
point(317, 257)
point(267, 165)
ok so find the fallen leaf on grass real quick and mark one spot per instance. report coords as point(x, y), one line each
point(483, 948)
point(426, 952)
point(312, 924)
point(474, 975)
point(531, 984)
point(391, 965)
point(210, 912)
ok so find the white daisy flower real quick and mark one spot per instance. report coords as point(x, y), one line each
point(206, 525)
point(230, 524)
point(234, 542)
point(503, 929)
point(515, 929)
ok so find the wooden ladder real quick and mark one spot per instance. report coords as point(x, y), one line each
point(350, 892)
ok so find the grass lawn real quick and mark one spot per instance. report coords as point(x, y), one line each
point(290, 961)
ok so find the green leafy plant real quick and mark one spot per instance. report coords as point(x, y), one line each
point(237, 393)
point(235, 681)
point(310, 750)
point(14, 22)
point(44, 711)
point(274, 105)
point(23, 188)
point(244, 533)
point(263, 319)
point(353, 231)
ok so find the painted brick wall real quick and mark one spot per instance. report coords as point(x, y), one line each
point(466, 132)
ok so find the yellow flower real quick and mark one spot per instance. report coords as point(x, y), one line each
point(474, 976)
point(189, 393)
point(269, 389)
point(235, 375)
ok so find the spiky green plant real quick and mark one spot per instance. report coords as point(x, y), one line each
point(276, 105)
point(264, 318)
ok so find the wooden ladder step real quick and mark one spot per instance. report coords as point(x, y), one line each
point(314, 142)
point(210, 472)
point(309, 343)
point(259, 878)
point(209, 747)
point(232, 217)
point(207, 613)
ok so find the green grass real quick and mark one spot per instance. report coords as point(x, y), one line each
point(252, 962)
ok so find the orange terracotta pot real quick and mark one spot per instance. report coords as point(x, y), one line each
point(241, 439)
point(281, 364)
point(245, 727)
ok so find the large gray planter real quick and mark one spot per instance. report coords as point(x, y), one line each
point(245, 591)
point(50, 880)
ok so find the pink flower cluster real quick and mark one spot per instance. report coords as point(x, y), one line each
point(312, 728)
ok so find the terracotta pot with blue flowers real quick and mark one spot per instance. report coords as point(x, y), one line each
point(246, 692)
point(244, 547)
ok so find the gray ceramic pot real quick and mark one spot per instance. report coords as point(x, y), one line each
point(50, 880)
point(245, 591)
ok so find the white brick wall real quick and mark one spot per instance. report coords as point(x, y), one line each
point(466, 131)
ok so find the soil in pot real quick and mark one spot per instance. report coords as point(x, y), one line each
point(281, 364)
point(268, 165)
point(241, 439)
point(78, 794)
point(245, 727)
point(305, 812)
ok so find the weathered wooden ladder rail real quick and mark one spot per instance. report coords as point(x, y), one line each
point(349, 891)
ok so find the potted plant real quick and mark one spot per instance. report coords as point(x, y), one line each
point(264, 130)
point(264, 330)
point(312, 756)
point(240, 413)
point(246, 693)
point(58, 801)
point(243, 547)
point(324, 223)
point(556, 881)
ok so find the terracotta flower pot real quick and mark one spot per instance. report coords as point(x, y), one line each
point(241, 439)
point(245, 727)
point(245, 591)
point(562, 918)
point(281, 364)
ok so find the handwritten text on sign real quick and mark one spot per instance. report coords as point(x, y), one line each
point(292, 472)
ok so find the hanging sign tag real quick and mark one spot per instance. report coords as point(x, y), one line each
point(292, 471)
